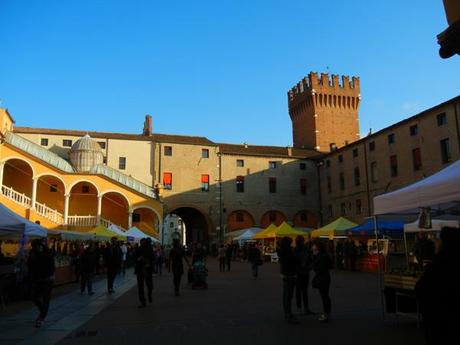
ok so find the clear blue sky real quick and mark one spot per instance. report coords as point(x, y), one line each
point(219, 69)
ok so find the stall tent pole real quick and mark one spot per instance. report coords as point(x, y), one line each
point(405, 249)
point(379, 271)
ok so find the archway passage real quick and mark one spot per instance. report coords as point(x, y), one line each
point(196, 225)
point(83, 199)
point(146, 220)
point(238, 220)
point(18, 175)
point(115, 209)
point(272, 217)
point(50, 192)
point(305, 219)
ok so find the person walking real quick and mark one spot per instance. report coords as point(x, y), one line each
point(177, 256)
point(112, 259)
point(349, 253)
point(255, 259)
point(221, 256)
point(303, 274)
point(322, 279)
point(143, 269)
point(438, 293)
point(87, 268)
point(41, 276)
point(124, 257)
point(288, 268)
point(229, 256)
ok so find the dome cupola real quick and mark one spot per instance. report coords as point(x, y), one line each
point(85, 153)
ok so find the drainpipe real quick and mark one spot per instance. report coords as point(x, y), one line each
point(320, 199)
point(368, 192)
point(221, 230)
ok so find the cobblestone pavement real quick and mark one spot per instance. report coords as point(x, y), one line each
point(237, 309)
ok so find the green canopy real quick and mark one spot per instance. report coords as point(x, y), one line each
point(337, 228)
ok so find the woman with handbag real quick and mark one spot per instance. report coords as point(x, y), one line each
point(322, 279)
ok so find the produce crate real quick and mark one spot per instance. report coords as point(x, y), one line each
point(399, 281)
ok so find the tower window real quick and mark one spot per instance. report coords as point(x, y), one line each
point(413, 130)
point(372, 146)
point(391, 138)
point(240, 163)
point(355, 153)
point(441, 119)
point(167, 180)
point(44, 142)
point(340, 158)
point(445, 150)
point(204, 153)
point(168, 151)
point(205, 183)
point(67, 143)
point(122, 163)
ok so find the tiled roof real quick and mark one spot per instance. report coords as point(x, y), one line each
point(161, 138)
point(266, 151)
point(38, 151)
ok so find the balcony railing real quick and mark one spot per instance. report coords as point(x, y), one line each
point(82, 220)
point(49, 213)
point(17, 197)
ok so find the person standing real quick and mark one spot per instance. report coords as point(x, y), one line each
point(349, 251)
point(112, 259)
point(143, 269)
point(288, 268)
point(322, 279)
point(177, 256)
point(41, 276)
point(221, 255)
point(87, 268)
point(424, 250)
point(303, 274)
point(124, 257)
point(255, 259)
point(228, 256)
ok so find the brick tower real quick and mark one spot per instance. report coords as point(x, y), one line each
point(324, 113)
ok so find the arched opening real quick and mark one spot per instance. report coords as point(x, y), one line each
point(83, 199)
point(146, 220)
point(305, 219)
point(239, 219)
point(197, 226)
point(17, 176)
point(50, 192)
point(115, 209)
point(272, 217)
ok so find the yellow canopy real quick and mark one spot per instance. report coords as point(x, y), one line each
point(286, 230)
point(336, 228)
point(101, 232)
point(269, 232)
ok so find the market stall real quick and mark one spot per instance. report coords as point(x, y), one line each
point(336, 228)
point(135, 235)
point(435, 195)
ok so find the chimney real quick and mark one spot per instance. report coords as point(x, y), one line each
point(147, 126)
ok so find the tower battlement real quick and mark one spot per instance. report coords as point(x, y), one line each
point(324, 110)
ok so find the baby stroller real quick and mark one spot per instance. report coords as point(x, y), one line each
point(199, 274)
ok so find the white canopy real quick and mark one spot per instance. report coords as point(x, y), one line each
point(437, 225)
point(138, 234)
point(13, 226)
point(116, 229)
point(247, 234)
point(440, 190)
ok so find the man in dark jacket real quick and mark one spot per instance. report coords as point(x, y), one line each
point(41, 275)
point(177, 257)
point(87, 267)
point(112, 259)
point(228, 256)
point(288, 268)
point(303, 274)
point(144, 257)
point(424, 249)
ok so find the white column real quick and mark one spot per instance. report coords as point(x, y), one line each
point(34, 192)
point(130, 219)
point(99, 209)
point(66, 208)
point(2, 165)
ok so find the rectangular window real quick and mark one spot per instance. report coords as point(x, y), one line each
point(343, 209)
point(303, 166)
point(168, 151)
point(357, 176)
point(329, 211)
point(240, 184)
point(359, 209)
point(204, 153)
point(416, 159)
point(85, 189)
point(413, 130)
point(205, 183)
point(329, 185)
point(393, 166)
point(272, 184)
point(239, 217)
point(328, 163)
point(240, 163)
point(355, 153)
point(342, 181)
point(101, 144)
point(372, 146)
point(44, 142)
point(391, 138)
point(67, 143)
point(340, 158)
point(374, 172)
point(272, 165)
point(122, 163)
point(441, 119)
point(303, 186)
point(445, 150)
point(53, 188)
point(167, 180)
point(136, 217)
